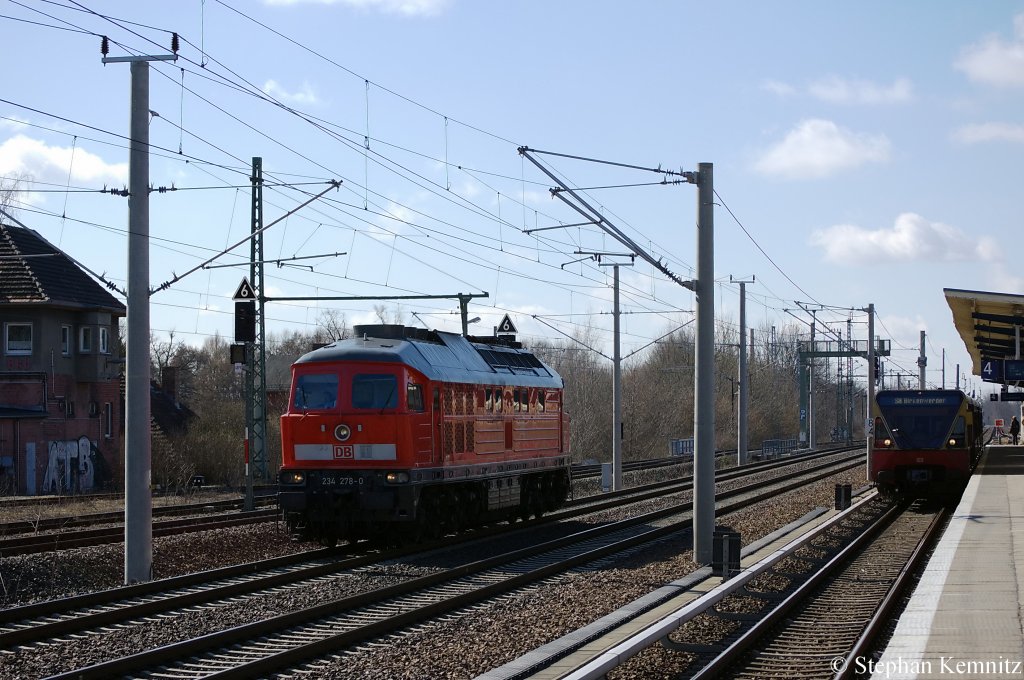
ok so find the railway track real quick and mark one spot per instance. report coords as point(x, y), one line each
point(73, 537)
point(59, 617)
point(77, 499)
point(305, 634)
point(821, 627)
point(63, 533)
point(809, 610)
point(79, 520)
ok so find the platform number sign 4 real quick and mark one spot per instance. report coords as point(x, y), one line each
point(992, 370)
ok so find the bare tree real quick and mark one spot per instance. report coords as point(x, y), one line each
point(397, 315)
point(332, 325)
point(9, 188)
point(161, 354)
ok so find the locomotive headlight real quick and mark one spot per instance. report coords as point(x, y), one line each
point(293, 477)
point(397, 477)
point(887, 442)
point(952, 442)
point(342, 432)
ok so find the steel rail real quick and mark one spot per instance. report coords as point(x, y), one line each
point(155, 658)
point(95, 609)
point(739, 648)
point(903, 582)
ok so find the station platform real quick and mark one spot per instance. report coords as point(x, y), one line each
point(964, 619)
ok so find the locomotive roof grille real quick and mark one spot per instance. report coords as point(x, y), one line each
point(513, 362)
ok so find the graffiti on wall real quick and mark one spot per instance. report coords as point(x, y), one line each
point(69, 467)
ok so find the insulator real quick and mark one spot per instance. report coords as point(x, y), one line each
point(104, 46)
point(174, 43)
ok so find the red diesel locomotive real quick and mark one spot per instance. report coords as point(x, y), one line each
point(407, 432)
point(926, 442)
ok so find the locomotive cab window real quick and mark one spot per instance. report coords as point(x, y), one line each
point(414, 397)
point(315, 391)
point(374, 391)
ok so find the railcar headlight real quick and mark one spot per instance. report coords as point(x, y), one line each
point(397, 477)
point(293, 477)
point(342, 432)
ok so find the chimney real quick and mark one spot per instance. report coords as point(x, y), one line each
point(170, 382)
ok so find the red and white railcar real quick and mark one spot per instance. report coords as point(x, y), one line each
point(926, 442)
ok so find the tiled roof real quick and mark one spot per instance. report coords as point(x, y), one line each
point(52, 279)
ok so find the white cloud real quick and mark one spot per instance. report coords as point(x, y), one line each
point(903, 331)
point(912, 238)
point(999, 278)
point(305, 95)
point(819, 148)
point(407, 8)
point(838, 90)
point(12, 123)
point(990, 132)
point(778, 87)
point(995, 62)
point(841, 91)
point(24, 155)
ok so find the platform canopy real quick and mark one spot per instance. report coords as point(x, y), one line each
point(990, 324)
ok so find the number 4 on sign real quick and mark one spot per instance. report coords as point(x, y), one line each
point(244, 292)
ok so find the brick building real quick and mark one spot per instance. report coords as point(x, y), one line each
point(60, 399)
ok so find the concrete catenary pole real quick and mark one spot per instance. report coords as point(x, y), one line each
point(741, 421)
point(922, 361)
point(812, 436)
point(138, 499)
point(868, 422)
point(616, 387)
point(704, 373)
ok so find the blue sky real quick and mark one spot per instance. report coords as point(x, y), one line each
point(863, 153)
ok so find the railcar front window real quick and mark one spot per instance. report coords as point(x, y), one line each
point(315, 391)
point(920, 427)
point(959, 426)
point(374, 391)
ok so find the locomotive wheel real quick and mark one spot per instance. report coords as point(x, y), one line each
point(428, 516)
point(328, 536)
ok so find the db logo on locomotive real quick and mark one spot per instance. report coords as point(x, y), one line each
point(342, 451)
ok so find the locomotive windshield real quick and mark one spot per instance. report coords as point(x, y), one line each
point(315, 391)
point(374, 391)
point(920, 421)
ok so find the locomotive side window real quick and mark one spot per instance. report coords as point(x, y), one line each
point(540, 400)
point(374, 391)
point(315, 391)
point(414, 397)
point(497, 400)
point(488, 404)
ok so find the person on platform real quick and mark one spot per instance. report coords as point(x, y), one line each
point(1014, 430)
